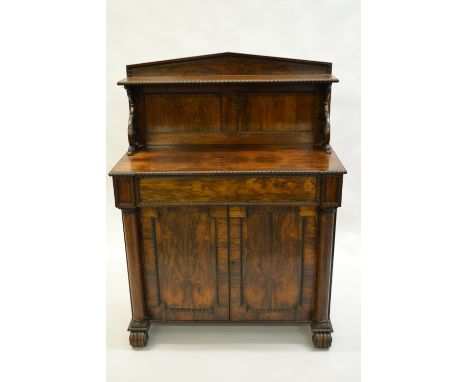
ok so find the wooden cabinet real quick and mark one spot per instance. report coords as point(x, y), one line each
point(229, 191)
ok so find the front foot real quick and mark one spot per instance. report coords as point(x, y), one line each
point(139, 333)
point(322, 340)
point(138, 339)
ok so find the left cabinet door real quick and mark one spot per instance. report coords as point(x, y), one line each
point(185, 251)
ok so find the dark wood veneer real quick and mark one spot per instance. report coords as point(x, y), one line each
point(183, 113)
point(215, 189)
point(230, 159)
point(228, 192)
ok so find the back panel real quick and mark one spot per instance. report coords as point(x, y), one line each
point(229, 114)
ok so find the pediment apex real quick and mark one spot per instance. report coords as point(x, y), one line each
point(229, 63)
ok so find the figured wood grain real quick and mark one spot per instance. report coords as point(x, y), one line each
point(226, 116)
point(124, 192)
point(228, 98)
point(326, 219)
point(205, 117)
point(232, 190)
point(185, 252)
point(280, 112)
point(331, 189)
point(273, 257)
point(134, 263)
point(245, 159)
point(186, 258)
point(182, 113)
point(155, 142)
point(229, 63)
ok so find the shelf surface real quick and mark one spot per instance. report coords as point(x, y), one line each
point(148, 80)
point(218, 159)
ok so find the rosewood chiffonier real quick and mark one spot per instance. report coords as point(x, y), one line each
point(229, 192)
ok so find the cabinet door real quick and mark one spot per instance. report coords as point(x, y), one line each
point(272, 262)
point(186, 262)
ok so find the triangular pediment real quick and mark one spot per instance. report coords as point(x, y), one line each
point(229, 64)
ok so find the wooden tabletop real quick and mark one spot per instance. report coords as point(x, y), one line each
point(245, 159)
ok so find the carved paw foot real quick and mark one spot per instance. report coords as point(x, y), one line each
point(138, 339)
point(322, 340)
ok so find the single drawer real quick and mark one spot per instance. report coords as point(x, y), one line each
point(255, 189)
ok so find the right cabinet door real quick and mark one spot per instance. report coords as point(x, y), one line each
point(273, 254)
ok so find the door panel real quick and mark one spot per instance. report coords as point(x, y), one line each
point(273, 254)
point(185, 256)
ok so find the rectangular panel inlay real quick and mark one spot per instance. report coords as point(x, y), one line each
point(188, 277)
point(271, 259)
point(183, 113)
point(274, 252)
point(228, 190)
point(280, 112)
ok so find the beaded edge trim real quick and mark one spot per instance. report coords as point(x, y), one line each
point(234, 172)
point(126, 83)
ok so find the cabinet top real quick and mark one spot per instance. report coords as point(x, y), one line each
point(228, 67)
point(213, 160)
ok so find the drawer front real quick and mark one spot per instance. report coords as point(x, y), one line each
point(256, 189)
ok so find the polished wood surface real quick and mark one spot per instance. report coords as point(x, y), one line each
point(260, 189)
point(228, 98)
point(186, 261)
point(134, 261)
point(228, 114)
point(183, 113)
point(229, 191)
point(279, 112)
point(228, 63)
point(273, 253)
point(155, 141)
point(246, 159)
point(321, 325)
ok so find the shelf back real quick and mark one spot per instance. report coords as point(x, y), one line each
point(228, 98)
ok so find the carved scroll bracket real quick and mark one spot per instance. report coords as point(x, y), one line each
point(131, 124)
point(326, 110)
